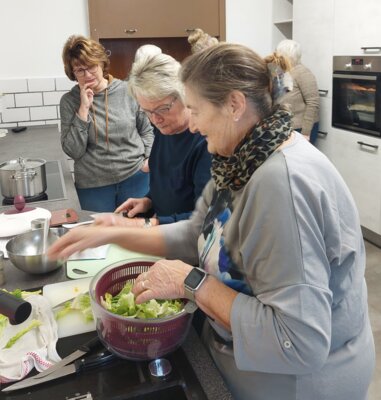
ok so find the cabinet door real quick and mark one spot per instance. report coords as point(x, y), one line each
point(313, 29)
point(357, 24)
point(152, 18)
point(325, 140)
point(359, 162)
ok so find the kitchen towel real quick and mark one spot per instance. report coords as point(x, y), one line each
point(36, 349)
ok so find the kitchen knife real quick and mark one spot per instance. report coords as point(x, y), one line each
point(77, 366)
point(82, 350)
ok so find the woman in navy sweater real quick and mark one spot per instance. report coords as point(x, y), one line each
point(179, 162)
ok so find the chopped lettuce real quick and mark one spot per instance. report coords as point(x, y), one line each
point(34, 324)
point(124, 304)
point(80, 303)
point(22, 294)
point(3, 323)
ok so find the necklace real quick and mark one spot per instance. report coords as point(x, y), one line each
point(95, 120)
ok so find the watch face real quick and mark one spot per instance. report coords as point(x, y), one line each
point(194, 278)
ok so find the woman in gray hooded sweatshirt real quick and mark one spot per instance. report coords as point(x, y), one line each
point(102, 130)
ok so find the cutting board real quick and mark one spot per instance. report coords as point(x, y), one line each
point(84, 268)
point(73, 323)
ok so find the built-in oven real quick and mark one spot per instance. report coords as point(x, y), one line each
point(356, 95)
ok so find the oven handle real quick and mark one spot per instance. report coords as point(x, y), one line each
point(362, 77)
point(373, 146)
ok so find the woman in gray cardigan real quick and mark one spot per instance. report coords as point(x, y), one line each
point(277, 238)
point(102, 130)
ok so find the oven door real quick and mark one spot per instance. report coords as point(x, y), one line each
point(356, 102)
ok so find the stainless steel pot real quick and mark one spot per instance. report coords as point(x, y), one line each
point(24, 176)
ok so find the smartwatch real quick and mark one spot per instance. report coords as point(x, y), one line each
point(192, 283)
point(147, 223)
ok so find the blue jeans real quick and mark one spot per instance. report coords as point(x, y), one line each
point(108, 198)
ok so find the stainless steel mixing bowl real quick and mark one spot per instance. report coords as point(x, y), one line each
point(26, 251)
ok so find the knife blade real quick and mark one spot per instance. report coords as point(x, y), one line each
point(82, 350)
point(102, 357)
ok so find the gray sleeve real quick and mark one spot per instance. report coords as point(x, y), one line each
point(74, 131)
point(145, 131)
point(286, 327)
point(181, 237)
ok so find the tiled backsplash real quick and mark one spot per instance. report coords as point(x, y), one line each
point(31, 101)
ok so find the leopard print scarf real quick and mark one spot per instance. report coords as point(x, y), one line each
point(235, 171)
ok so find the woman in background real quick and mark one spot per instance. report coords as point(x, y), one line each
point(304, 95)
point(200, 40)
point(102, 130)
point(179, 163)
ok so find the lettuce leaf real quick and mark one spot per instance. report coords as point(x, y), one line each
point(34, 324)
point(80, 303)
point(124, 304)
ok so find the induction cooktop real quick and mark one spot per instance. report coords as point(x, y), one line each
point(54, 182)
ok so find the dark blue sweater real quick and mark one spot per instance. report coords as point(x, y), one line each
point(179, 169)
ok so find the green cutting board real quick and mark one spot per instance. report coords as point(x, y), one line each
point(76, 269)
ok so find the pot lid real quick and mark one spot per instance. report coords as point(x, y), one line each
point(14, 224)
point(22, 164)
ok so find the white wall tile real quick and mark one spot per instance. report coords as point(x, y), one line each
point(13, 85)
point(33, 123)
point(28, 99)
point(53, 122)
point(51, 98)
point(8, 125)
point(15, 115)
point(42, 113)
point(41, 84)
point(64, 83)
point(9, 100)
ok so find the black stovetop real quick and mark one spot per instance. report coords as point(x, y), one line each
point(118, 380)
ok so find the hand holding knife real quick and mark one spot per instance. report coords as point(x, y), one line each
point(64, 367)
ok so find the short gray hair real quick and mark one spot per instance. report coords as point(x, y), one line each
point(156, 77)
point(291, 50)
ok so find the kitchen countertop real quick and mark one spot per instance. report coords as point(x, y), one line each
point(44, 142)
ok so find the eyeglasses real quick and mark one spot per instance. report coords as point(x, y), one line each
point(80, 72)
point(160, 111)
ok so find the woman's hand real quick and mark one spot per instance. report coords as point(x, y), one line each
point(145, 167)
point(135, 206)
point(164, 280)
point(118, 220)
point(77, 239)
point(87, 97)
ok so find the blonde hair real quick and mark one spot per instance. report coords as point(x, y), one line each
point(84, 51)
point(156, 77)
point(200, 40)
point(218, 70)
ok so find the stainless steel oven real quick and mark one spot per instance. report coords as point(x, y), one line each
point(356, 95)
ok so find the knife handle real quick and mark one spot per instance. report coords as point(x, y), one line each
point(90, 345)
point(93, 361)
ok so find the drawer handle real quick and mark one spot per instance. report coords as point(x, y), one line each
point(130, 31)
point(373, 146)
point(190, 30)
point(323, 92)
point(322, 133)
point(371, 48)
